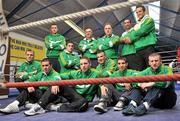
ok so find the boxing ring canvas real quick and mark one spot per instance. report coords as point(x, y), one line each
point(152, 115)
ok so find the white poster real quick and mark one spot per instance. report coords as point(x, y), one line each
point(3, 42)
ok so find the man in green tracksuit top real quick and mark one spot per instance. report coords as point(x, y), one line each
point(27, 69)
point(128, 50)
point(143, 36)
point(88, 46)
point(117, 92)
point(108, 43)
point(105, 67)
point(85, 72)
point(52, 93)
point(55, 43)
point(68, 59)
point(124, 89)
point(159, 94)
point(33, 94)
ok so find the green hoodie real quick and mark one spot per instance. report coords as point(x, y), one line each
point(54, 43)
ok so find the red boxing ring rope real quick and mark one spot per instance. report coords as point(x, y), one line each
point(153, 78)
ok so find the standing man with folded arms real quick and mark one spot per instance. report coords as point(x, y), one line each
point(128, 50)
point(109, 42)
point(88, 46)
point(55, 43)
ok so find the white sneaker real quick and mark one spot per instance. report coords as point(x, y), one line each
point(101, 107)
point(119, 106)
point(28, 105)
point(36, 109)
point(54, 107)
point(11, 108)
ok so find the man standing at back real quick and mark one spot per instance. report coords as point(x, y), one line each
point(128, 50)
point(108, 43)
point(55, 43)
point(88, 46)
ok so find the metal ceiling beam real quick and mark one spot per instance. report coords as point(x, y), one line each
point(165, 9)
point(68, 22)
point(36, 11)
point(81, 20)
point(27, 21)
point(17, 8)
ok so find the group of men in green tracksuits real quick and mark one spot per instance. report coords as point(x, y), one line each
point(63, 63)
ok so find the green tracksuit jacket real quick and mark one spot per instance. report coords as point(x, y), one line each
point(125, 73)
point(31, 68)
point(88, 48)
point(161, 70)
point(127, 49)
point(107, 68)
point(54, 43)
point(68, 61)
point(42, 76)
point(107, 44)
point(143, 33)
point(87, 91)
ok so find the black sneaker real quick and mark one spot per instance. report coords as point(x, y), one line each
point(140, 110)
point(129, 110)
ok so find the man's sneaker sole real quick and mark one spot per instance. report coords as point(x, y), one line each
point(99, 109)
point(33, 114)
point(117, 109)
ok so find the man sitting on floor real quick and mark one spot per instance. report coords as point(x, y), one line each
point(158, 94)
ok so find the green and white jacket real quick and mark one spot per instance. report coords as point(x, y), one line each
point(88, 91)
point(127, 49)
point(55, 43)
point(125, 73)
point(107, 44)
point(107, 68)
point(32, 68)
point(68, 61)
point(88, 48)
point(143, 33)
point(42, 76)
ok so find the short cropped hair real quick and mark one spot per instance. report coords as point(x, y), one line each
point(155, 54)
point(46, 60)
point(122, 58)
point(86, 58)
point(141, 6)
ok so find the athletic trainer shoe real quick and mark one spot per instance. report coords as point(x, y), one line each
point(140, 110)
point(36, 109)
point(28, 105)
point(129, 110)
point(119, 106)
point(53, 107)
point(11, 108)
point(101, 107)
